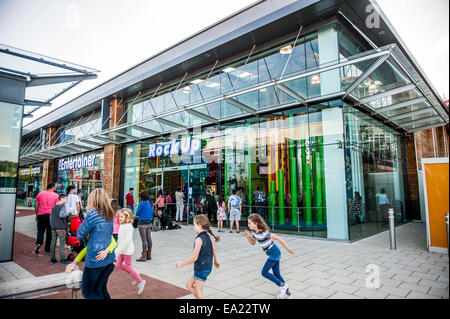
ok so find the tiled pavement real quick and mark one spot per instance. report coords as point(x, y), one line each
point(318, 269)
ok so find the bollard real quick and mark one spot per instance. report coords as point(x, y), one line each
point(74, 293)
point(392, 228)
point(446, 221)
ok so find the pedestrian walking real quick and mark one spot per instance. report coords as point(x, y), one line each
point(261, 232)
point(129, 199)
point(234, 209)
point(221, 215)
point(202, 256)
point(162, 213)
point(98, 224)
point(44, 203)
point(58, 224)
point(125, 246)
point(116, 208)
point(179, 198)
point(144, 214)
point(383, 203)
point(211, 207)
point(73, 205)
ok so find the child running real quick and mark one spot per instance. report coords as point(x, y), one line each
point(125, 246)
point(202, 257)
point(261, 232)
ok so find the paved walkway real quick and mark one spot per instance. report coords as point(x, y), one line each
point(318, 269)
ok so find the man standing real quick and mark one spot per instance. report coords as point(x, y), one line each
point(73, 204)
point(45, 201)
point(235, 208)
point(129, 199)
point(179, 198)
point(260, 200)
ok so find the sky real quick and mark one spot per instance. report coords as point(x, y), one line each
point(114, 35)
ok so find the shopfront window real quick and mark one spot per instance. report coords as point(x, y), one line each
point(29, 184)
point(373, 166)
point(284, 166)
point(85, 171)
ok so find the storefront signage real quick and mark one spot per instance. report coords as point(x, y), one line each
point(177, 168)
point(30, 171)
point(187, 145)
point(76, 163)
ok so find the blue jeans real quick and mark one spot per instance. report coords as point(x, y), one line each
point(94, 282)
point(131, 207)
point(201, 274)
point(273, 262)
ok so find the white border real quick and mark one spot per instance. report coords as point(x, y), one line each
point(437, 160)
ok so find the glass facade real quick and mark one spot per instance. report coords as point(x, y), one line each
point(308, 162)
point(373, 158)
point(85, 171)
point(29, 184)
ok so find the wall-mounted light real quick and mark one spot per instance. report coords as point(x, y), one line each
point(197, 81)
point(286, 50)
point(229, 69)
point(315, 79)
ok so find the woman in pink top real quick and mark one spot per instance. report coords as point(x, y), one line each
point(116, 208)
point(159, 204)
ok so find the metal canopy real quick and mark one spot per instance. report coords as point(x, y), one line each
point(47, 78)
point(385, 87)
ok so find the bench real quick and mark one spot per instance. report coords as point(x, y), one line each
point(32, 287)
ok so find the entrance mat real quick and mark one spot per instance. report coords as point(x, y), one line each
point(119, 283)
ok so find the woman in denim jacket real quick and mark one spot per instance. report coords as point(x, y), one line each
point(98, 225)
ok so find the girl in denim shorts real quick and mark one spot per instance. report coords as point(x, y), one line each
point(261, 232)
point(202, 257)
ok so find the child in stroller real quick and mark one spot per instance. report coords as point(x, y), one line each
point(72, 241)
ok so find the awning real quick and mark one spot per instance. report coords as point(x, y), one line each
point(47, 78)
point(381, 81)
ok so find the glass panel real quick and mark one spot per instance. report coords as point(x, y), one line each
point(374, 174)
point(395, 98)
point(386, 77)
point(408, 109)
point(11, 123)
point(417, 117)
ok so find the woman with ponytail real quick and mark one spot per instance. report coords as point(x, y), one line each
point(202, 257)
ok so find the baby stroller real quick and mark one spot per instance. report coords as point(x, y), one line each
point(156, 222)
point(72, 241)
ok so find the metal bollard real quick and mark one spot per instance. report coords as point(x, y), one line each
point(448, 241)
point(392, 228)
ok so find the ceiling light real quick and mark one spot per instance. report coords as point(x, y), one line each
point(315, 79)
point(229, 69)
point(212, 84)
point(373, 89)
point(197, 81)
point(286, 50)
point(244, 75)
point(263, 90)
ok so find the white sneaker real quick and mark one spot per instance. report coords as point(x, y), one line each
point(141, 287)
point(284, 292)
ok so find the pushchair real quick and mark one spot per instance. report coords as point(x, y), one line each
point(72, 241)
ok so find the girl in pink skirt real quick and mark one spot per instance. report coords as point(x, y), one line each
point(125, 246)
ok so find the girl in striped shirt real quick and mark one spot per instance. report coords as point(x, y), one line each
point(261, 232)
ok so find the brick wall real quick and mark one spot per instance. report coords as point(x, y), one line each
point(412, 202)
point(111, 170)
point(47, 173)
point(429, 143)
